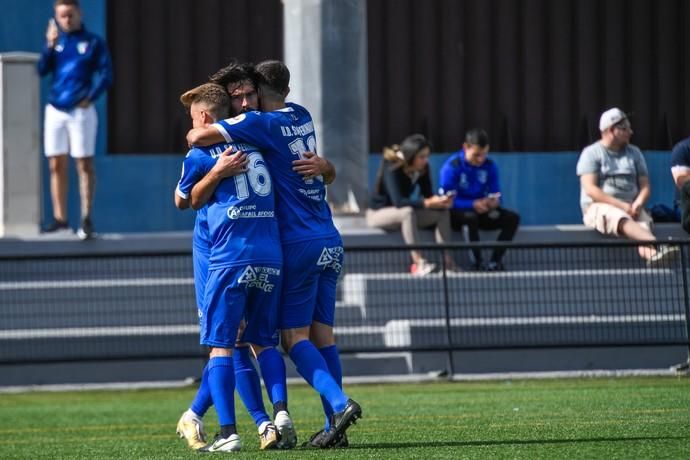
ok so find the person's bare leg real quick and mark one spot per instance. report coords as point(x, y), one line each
point(58, 185)
point(633, 230)
point(87, 184)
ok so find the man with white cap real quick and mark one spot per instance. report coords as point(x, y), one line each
point(614, 187)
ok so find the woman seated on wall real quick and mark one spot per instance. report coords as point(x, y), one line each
point(403, 199)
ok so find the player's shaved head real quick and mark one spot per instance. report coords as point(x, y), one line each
point(212, 96)
point(274, 78)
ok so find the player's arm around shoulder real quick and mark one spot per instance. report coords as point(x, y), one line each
point(208, 135)
point(229, 163)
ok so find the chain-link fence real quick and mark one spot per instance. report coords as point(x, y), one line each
point(140, 306)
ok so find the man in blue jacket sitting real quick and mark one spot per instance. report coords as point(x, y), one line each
point(473, 178)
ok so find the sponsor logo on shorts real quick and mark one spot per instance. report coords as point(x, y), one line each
point(247, 212)
point(315, 194)
point(331, 258)
point(259, 277)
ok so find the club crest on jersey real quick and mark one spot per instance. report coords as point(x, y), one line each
point(331, 258)
point(237, 119)
point(59, 47)
point(82, 47)
point(258, 277)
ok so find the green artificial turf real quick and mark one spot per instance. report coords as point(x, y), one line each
point(622, 418)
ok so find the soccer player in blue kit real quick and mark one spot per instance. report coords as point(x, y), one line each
point(244, 271)
point(312, 247)
point(190, 426)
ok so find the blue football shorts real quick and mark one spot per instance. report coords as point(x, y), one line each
point(250, 292)
point(200, 262)
point(311, 272)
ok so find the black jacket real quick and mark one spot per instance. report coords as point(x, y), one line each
point(395, 188)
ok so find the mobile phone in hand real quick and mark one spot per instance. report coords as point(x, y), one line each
point(494, 196)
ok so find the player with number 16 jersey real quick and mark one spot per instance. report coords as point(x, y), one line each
point(245, 258)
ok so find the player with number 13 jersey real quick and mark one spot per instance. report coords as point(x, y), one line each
point(302, 211)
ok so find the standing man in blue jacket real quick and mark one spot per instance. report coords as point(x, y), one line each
point(473, 179)
point(80, 63)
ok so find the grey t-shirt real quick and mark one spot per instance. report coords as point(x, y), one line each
point(618, 172)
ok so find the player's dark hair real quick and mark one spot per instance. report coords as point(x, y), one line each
point(234, 72)
point(477, 136)
point(274, 78)
point(397, 156)
point(74, 3)
point(214, 96)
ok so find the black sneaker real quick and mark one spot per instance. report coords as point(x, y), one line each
point(86, 230)
point(316, 441)
point(55, 226)
point(340, 422)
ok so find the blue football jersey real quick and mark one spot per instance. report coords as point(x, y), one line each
point(239, 225)
point(283, 136)
point(195, 166)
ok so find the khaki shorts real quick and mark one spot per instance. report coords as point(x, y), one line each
point(606, 218)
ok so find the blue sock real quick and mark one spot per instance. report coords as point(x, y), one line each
point(332, 357)
point(273, 371)
point(311, 365)
point(202, 400)
point(248, 385)
point(221, 382)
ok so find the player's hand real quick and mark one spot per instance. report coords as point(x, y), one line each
point(51, 33)
point(492, 202)
point(84, 103)
point(230, 163)
point(310, 165)
point(481, 205)
point(635, 209)
point(626, 207)
point(438, 202)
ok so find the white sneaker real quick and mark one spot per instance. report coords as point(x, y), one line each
point(665, 257)
point(230, 444)
point(268, 436)
point(422, 267)
point(286, 429)
point(191, 428)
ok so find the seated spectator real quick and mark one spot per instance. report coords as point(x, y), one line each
point(403, 199)
point(680, 169)
point(614, 187)
point(473, 180)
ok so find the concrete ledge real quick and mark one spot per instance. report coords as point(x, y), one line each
point(356, 233)
point(352, 228)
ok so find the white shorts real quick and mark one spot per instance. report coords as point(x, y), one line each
point(73, 131)
point(606, 218)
